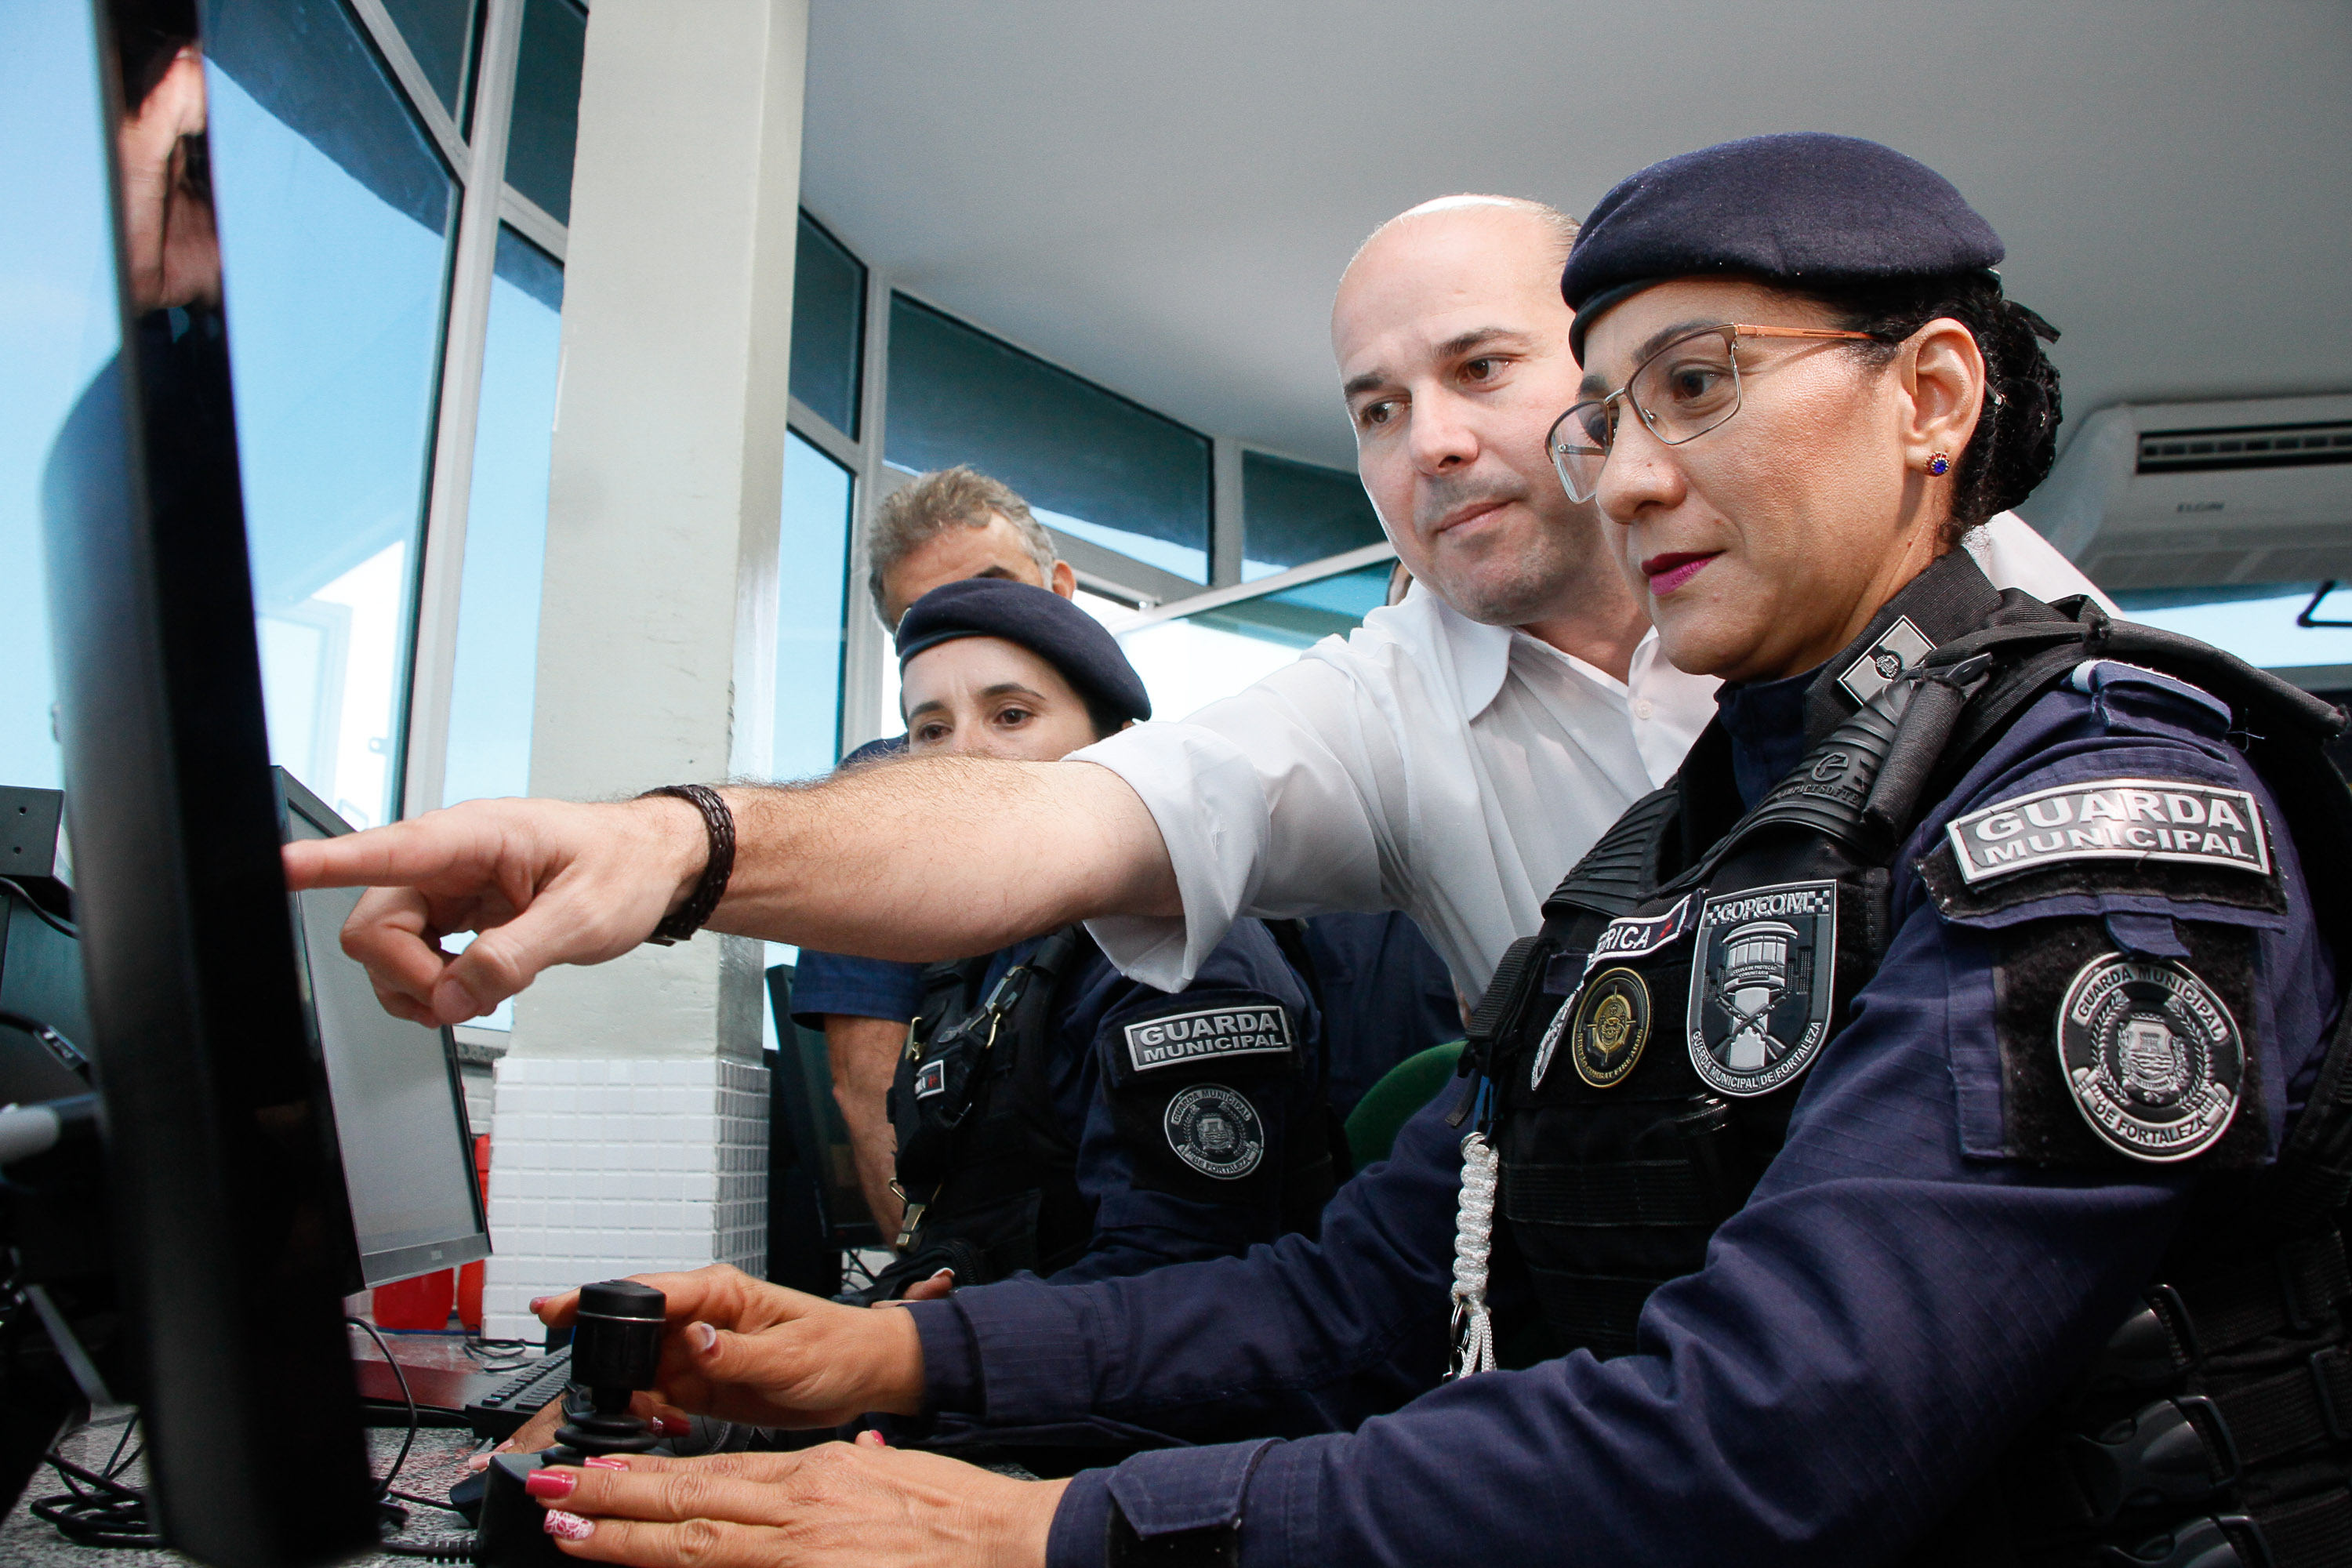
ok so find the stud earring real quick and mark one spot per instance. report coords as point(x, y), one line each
point(1939, 465)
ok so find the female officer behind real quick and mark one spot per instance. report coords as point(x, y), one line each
point(1054, 1116)
point(1918, 1130)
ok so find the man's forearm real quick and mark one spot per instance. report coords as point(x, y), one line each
point(864, 1053)
point(941, 857)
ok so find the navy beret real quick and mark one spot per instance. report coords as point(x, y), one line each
point(1038, 619)
point(1803, 208)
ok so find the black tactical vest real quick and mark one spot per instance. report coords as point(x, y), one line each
point(987, 1170)
point(1635, 1106)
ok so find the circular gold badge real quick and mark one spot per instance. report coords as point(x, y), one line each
point(1612, 1025)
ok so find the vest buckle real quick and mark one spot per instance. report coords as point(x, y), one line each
point(2174, 1450)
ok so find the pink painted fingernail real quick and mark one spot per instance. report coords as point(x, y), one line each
point(566, 1526)
point(605, 1462)
point(873, 1439)
point(536, 1303)
point(549, 1484)
point(704, 1336)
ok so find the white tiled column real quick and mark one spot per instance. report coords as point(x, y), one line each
point(628, 1130)
point(617, 1166)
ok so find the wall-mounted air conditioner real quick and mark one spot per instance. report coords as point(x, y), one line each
point(2163, 495)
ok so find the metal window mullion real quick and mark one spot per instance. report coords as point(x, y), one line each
point(533, 222)
point(865, 646)
point(418, 87)
point(819, 432)
point(1296, 577)
point(443, 570)
point(1225, 499)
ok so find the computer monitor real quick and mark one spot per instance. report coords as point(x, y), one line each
point(232, 1235)
point(400, 1126)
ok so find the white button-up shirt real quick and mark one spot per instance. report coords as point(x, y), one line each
point(1425, 762)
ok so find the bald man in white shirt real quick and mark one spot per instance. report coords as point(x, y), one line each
point(1452, 758)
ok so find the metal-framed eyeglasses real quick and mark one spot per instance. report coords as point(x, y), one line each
point(1681, 391)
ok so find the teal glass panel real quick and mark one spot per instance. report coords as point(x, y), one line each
point(828, 326)
point(440, 34)
point(1294, 512)
point(1085, 459)
point(546, 120)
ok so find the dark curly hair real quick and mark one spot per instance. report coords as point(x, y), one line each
point(2017, 436)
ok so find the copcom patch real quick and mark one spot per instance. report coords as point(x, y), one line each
point(2112, 819)
point(1212, 1034)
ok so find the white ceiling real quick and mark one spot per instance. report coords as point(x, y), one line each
point(1162, 196)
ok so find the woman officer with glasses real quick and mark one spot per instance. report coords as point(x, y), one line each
point(1915, 1134)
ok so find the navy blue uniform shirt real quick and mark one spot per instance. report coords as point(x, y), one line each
point(1386, 995)
point(1891, 1307)
point(1138, 1227)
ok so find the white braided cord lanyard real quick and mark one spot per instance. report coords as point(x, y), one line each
point(1474, 1234)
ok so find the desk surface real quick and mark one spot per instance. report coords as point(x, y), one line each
point(435, 1464)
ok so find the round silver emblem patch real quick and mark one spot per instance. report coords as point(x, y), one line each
point(1216, 1130)
point(2152, 1055)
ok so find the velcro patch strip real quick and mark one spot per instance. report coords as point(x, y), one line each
point(1212, 1033)
point(2112, 819)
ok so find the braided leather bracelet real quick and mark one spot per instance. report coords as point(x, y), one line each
point(719, 822)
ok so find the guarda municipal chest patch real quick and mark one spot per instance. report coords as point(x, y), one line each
point(1763, 982)
point(2112, 819)
point(2151, 1055)
point(1212, 1034)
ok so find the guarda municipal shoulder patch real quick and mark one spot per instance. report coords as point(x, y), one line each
point(2152, 1057)
point(2112, 819)
point(1215, 1130)
point(1210, 1034)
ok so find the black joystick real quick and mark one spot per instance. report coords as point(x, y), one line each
point(616, 1350)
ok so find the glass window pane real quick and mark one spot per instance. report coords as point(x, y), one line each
point(1195, 660)
point(2254, 621)
point(334, 212)
point(506, 530)
point(547, 104)
point(1293, 513)
point(59, 330)
point(440, 34)
point(1087, 460)
point(812, 593)
point(828, 326)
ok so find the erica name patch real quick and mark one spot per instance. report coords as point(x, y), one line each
point(1217, 1033)
point(2112, 819)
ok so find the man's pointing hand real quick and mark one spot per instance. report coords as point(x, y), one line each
point(542, 882)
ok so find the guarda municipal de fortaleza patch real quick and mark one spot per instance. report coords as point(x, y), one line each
point(1216, 1130)
point(1212, 1034)
point(1763, 982)
point(2112, 819)
point(2152, 1057)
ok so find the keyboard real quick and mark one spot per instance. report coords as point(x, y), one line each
point(494, 1403)
point(501, 1411)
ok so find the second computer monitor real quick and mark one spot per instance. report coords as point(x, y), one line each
point(400, 1109)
